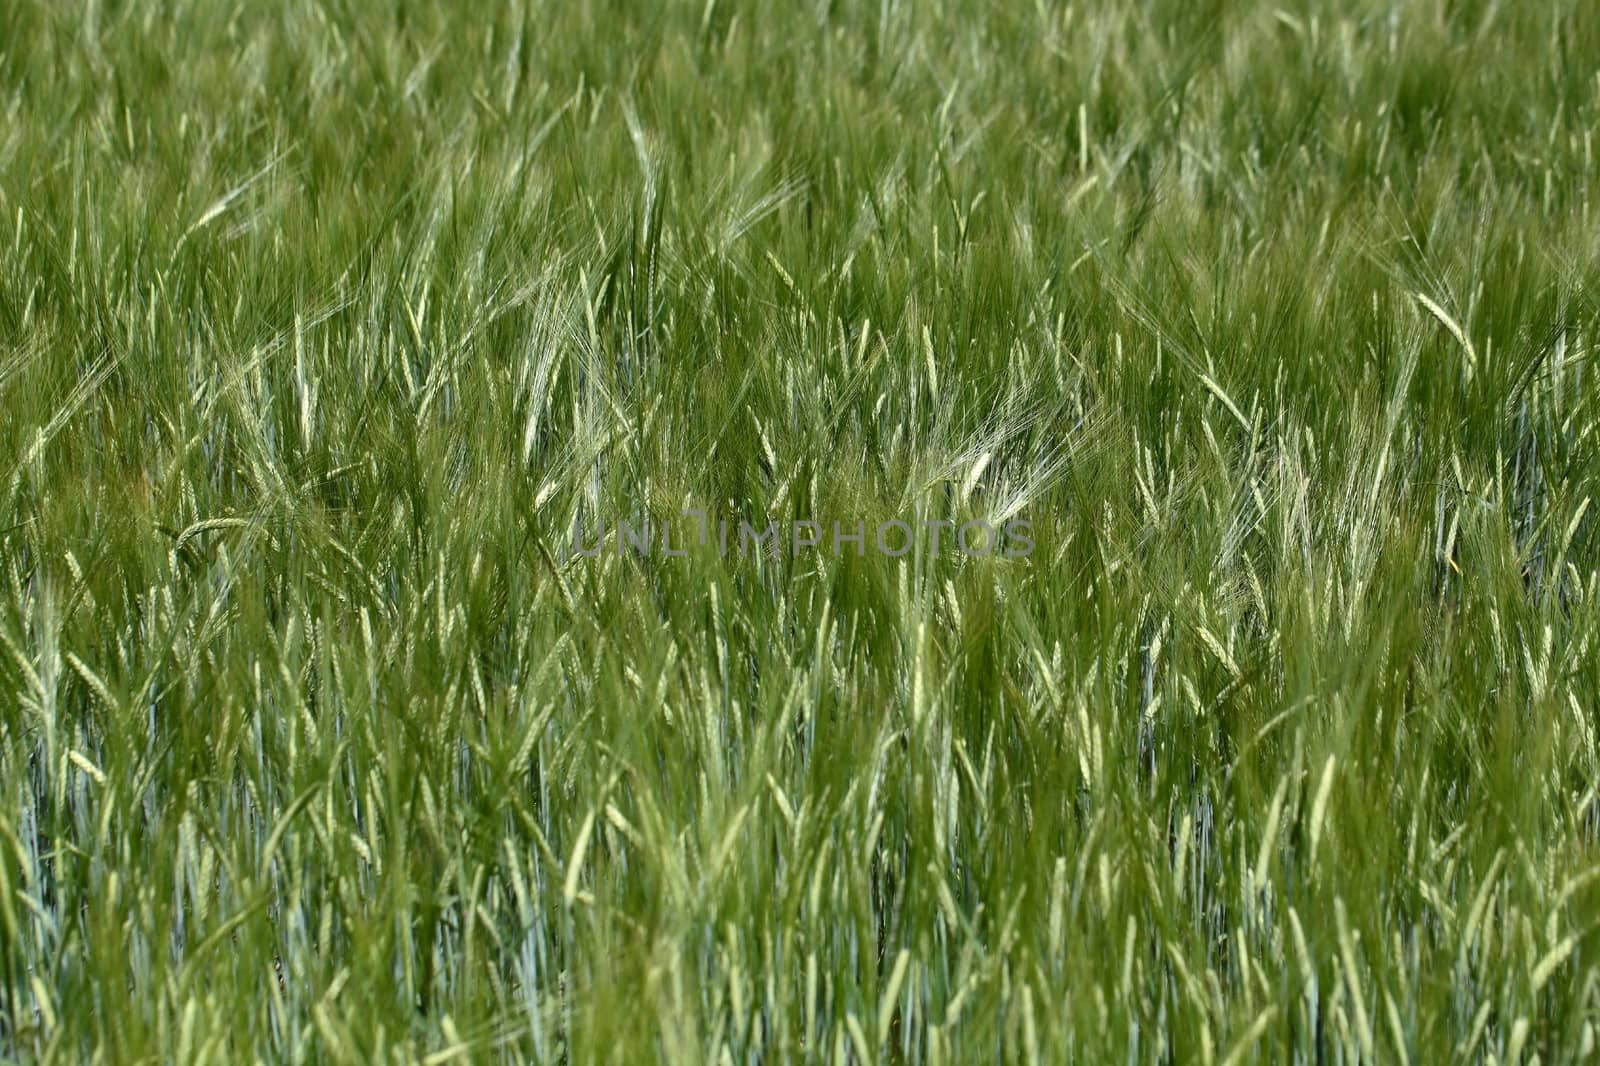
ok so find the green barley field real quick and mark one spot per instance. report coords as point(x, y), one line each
point(856, 532)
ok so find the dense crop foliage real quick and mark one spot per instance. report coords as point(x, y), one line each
point(324, 323)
